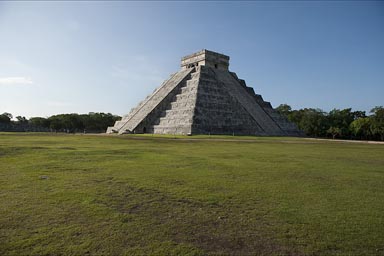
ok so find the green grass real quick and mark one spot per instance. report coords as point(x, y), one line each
point(125, 195)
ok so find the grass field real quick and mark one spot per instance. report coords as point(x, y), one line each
point(125, 195)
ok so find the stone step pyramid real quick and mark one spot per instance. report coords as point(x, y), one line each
point(204, 97)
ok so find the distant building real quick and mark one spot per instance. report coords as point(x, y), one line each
point(204, 97)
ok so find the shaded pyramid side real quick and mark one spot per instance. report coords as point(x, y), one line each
point(240, 94)
point(217, 111)
point(284, 124)
point(225, 105)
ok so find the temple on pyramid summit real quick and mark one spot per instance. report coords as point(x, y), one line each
point(204, 97)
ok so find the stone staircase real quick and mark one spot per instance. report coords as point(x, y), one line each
point(205, 100)
point(129, 123)
point(178, 117)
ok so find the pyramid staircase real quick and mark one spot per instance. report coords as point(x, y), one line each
point(205, 98)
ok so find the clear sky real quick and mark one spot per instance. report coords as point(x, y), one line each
point(80, 57)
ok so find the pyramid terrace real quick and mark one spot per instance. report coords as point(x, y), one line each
point(204, 97)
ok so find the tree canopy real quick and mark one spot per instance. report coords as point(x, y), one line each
point(91, 122)
point(338, 123)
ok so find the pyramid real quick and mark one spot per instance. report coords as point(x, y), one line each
point(204, 97)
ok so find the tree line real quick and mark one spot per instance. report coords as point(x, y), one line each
point(91, 122)
point(343, 124)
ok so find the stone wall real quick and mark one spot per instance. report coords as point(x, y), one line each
point(206, 58)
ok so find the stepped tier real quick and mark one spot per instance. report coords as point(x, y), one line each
point(204, 97)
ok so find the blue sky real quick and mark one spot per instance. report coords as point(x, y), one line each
point(78, 57)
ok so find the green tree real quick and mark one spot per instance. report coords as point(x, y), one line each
point(22, 120)
point(98, 122)
point(296, 116)
point(377, 122)
point(334, 131)
point(313, 122)
point(39, 122)
point(94, 122)
point(55, 123)
point(341, 119)
point(359, 114)
point(284, 109)
point(360, 127)
point(5, 118)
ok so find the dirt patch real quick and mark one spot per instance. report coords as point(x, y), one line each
point(215, 228)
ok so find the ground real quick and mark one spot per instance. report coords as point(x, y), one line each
point(198, 195)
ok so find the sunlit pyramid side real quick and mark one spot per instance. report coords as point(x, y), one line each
point(204, 97)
